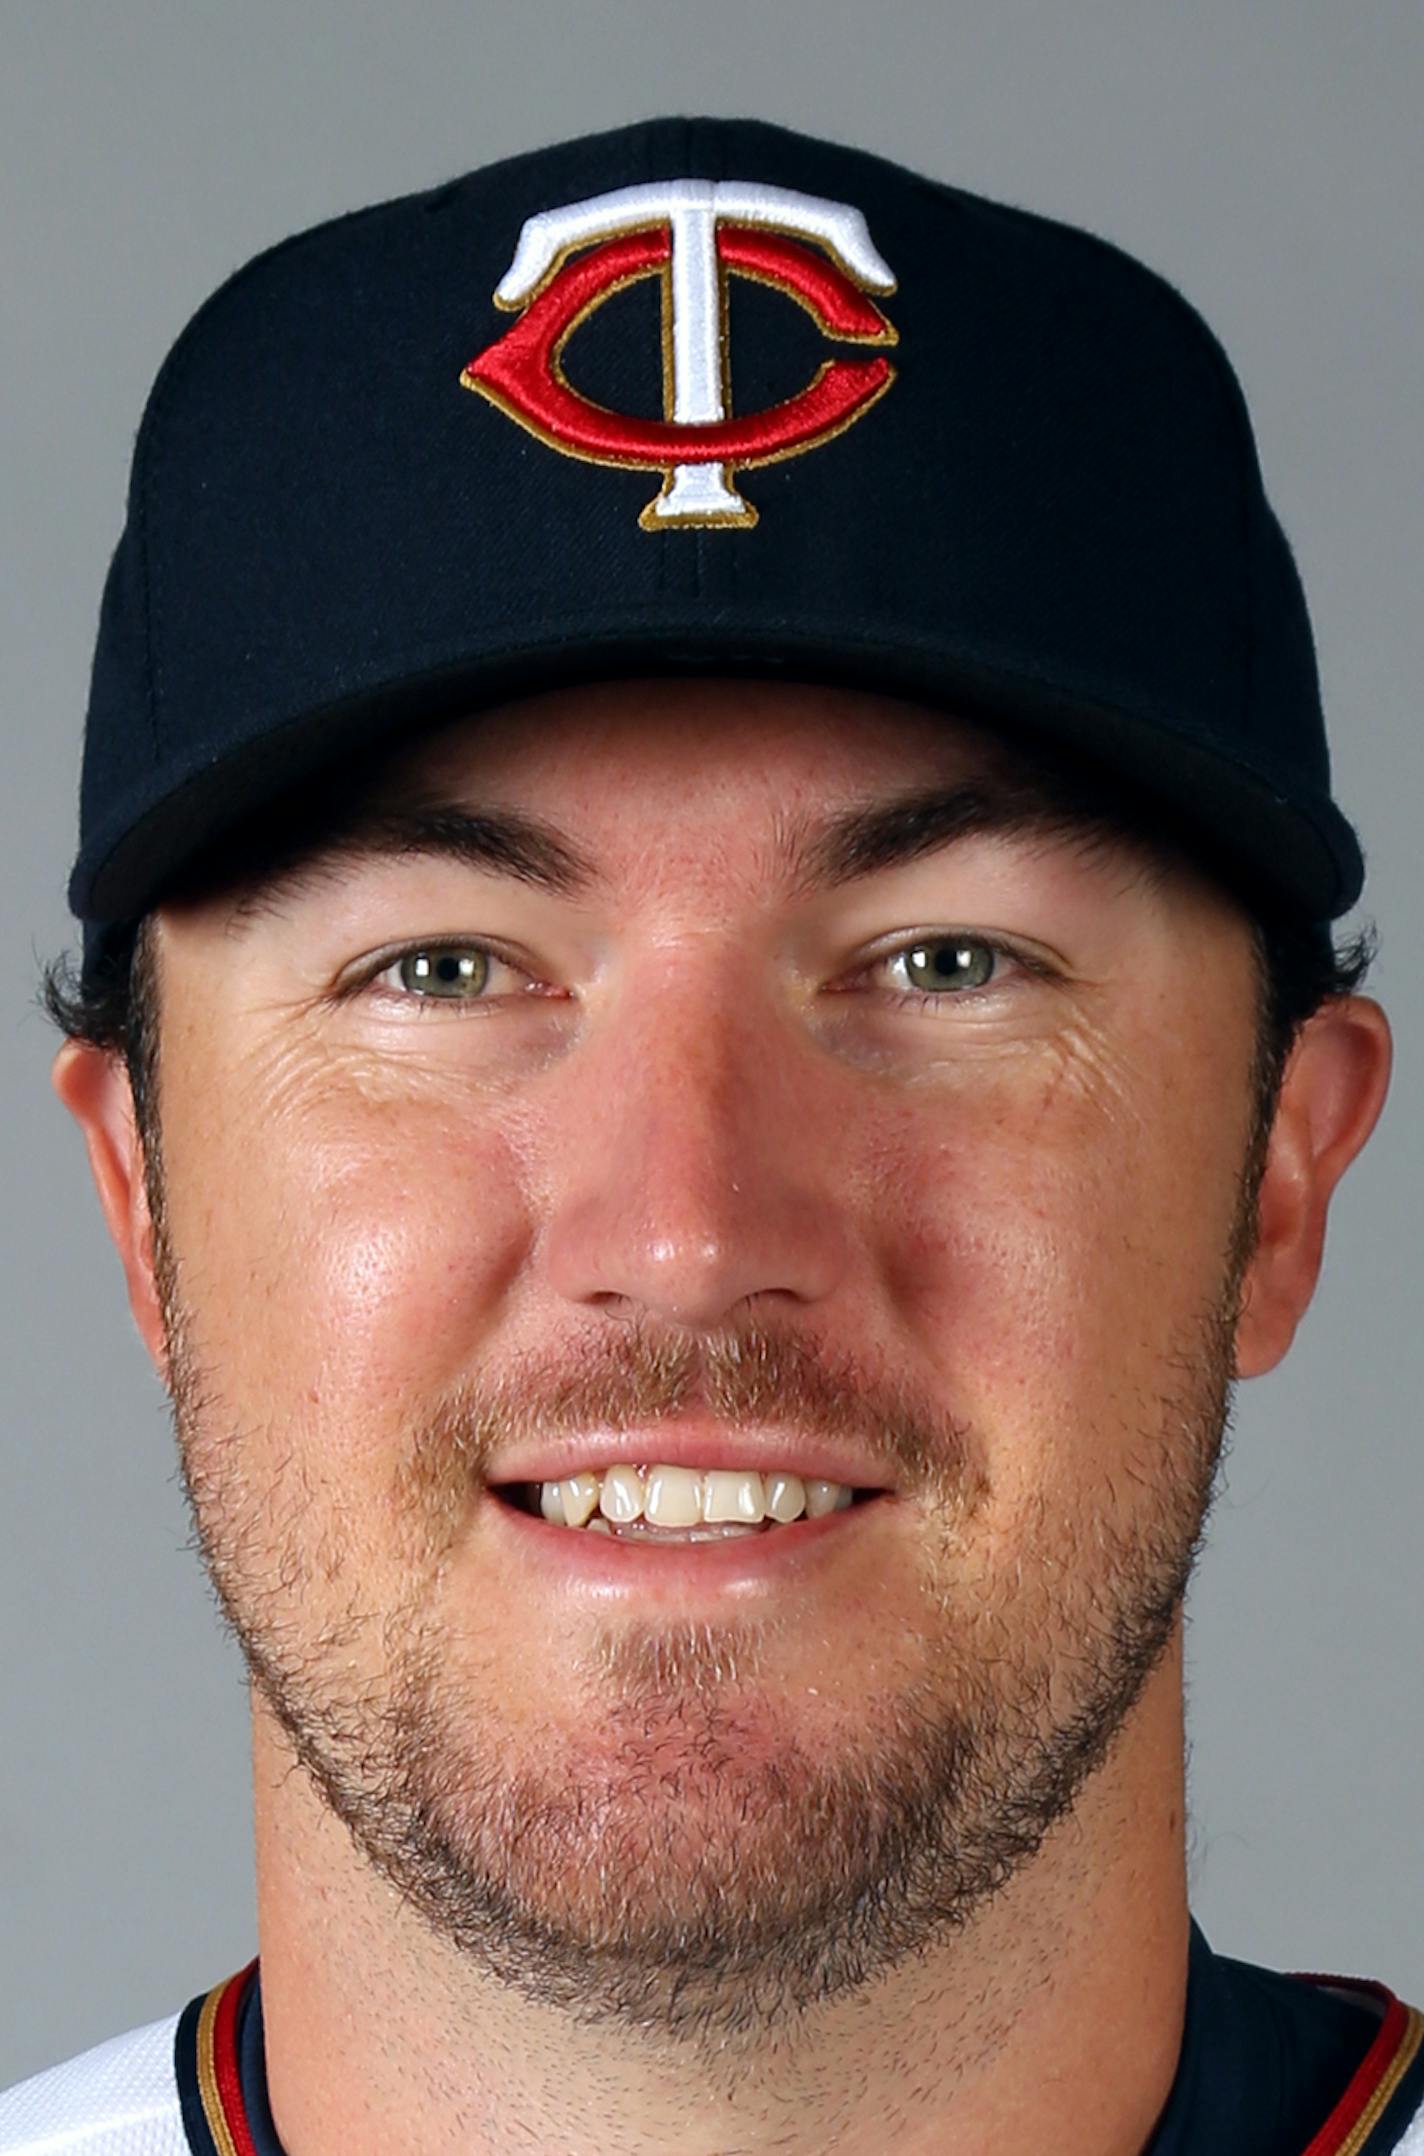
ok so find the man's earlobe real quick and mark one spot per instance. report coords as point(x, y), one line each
point(1332, 1091)
point(93, 1084)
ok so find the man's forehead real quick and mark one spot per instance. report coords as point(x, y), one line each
point(646, 721)
point(849, 785)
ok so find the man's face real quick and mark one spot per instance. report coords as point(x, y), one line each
point(704, 1153)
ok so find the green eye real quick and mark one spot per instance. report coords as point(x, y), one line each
point(449, 976)
point(949, 962)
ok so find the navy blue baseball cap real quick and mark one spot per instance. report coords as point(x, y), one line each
point(706, 396)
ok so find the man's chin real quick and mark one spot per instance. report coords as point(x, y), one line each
point(705, 1862)
point(688, 1865)
point(676, 1817)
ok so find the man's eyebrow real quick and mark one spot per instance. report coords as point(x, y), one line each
point(500, 841)
point(826, 854)
point(810, 854)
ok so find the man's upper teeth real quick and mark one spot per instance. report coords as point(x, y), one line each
point(688, 1497)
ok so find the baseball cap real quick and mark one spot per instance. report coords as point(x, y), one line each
point(699, 396)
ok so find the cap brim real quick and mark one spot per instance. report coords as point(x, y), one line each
point(1301, 860)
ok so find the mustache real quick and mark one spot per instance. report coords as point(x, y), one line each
point(749, 1378)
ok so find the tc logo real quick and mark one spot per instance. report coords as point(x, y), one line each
point(691, 234)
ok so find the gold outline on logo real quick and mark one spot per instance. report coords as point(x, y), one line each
point(886, 336)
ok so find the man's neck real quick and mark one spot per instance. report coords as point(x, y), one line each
point(1054, 2020)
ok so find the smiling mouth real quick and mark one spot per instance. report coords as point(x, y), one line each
point(658, 1503)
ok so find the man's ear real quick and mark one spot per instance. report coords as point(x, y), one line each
point(1332, 1091)
point(93, 1084)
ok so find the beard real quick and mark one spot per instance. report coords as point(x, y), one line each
point(692, 1858)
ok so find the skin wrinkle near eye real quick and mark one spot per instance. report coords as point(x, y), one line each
point(1082, 1057)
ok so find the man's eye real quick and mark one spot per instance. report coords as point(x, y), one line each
point(458, 974)
point(932, 970)
point(937, 968)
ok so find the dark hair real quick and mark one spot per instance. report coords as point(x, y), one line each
point(114, 1007)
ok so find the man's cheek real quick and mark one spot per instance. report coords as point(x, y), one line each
point(357, 1267)
point(1024, 1252)
point(404, 1269)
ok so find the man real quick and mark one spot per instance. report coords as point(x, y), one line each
point(654, 982)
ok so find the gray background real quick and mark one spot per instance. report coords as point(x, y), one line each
point(1268, 156)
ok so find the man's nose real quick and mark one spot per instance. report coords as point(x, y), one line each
point(699, 1158)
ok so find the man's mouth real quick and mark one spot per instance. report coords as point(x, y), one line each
point(665, 1503)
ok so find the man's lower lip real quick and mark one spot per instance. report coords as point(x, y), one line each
point(602, 1568)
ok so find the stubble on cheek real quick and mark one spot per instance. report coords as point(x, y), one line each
point(673, 1828)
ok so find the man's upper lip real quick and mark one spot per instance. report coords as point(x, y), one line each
point(690, 1444)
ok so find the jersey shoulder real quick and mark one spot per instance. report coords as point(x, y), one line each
point(120, 2099)
point(1381, 2112)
